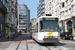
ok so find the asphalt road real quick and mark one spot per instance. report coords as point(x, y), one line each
point(24, 42)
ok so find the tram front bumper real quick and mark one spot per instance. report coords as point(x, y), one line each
point(55, 40)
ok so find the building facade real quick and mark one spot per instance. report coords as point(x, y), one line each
point(11, 19)
point(41, 8)
point(8, 17)
point(33, 20)
point(67, 15)
point(23, 18)
point(3, 12)
point(55, 7)
point(64, 9)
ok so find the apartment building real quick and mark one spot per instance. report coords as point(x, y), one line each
point(43, 8)
point(8, 17)
point(3, 12)
point(23, 18)
point(11, 18)
point(48, 7)
point(55, 7)
point(67, 15)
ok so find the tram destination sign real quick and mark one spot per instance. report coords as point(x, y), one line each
point(50, 19)
point(46, 19)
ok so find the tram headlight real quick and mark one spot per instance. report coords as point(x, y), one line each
point(55, 36)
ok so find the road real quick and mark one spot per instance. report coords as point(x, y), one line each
point(24, 42)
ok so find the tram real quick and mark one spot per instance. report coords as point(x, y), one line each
point(45, 29)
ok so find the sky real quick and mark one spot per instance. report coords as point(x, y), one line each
point(32, 5)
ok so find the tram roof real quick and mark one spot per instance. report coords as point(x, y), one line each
point(48, 17)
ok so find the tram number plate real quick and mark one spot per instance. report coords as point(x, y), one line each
point(50, 37)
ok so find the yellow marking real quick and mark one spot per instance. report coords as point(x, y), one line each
point(50, 34)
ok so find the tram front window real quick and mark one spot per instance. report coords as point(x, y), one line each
point(49, 26)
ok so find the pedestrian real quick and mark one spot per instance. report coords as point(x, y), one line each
point(11, 35)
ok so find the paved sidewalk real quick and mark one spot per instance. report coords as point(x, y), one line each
point(3, 39)
point(6, 39)
point(5, 43)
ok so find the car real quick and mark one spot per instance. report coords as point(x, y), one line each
point(66, 35)
point(31, 35)
point(20, 32)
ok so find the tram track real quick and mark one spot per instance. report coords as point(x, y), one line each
point(19, 43)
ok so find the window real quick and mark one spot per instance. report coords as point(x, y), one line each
point(62, 5)
point(49, 26)
point(71, 0)
point(72, 8)
point(66, 2)
point(69, 10)
point(22, 26)
point(62, 13)
point(66, 12)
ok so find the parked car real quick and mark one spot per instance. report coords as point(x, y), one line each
point(66, 35)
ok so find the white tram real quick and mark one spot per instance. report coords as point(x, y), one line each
point(45, 29)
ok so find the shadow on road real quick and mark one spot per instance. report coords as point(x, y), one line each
point(52, 44)
point(19, 38)
point(24, 37)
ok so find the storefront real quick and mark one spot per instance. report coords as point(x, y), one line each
point(8, 31)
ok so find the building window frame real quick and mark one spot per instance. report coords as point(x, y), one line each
point(73, 8)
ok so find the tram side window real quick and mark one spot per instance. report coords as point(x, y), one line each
point(41, 26)
point(36, 27)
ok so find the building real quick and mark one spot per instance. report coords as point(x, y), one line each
point(67, 15)
point(33, 20)
point(16, 13)
point(46, 7)
point(11, 18)
point(23, 18)
point(8, 17)
point(3, 12)
point(55, 7)
point(41, 8)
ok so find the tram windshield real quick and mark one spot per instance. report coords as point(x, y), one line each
point(49, 26)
